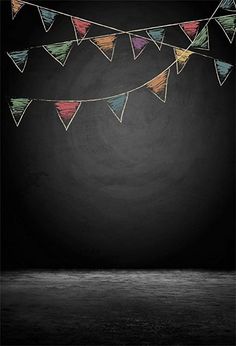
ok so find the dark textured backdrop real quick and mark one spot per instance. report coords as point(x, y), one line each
point(156, 191)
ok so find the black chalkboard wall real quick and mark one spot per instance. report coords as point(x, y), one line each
point(155, 191)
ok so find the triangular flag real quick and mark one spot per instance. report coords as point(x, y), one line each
point(66, 111)
point(157, 35)
point(202, 39)
point(223, 70)
point(158, 85)
point(47, 17)
point(18, 108)
point(117, 105)
point(19, 58)
point(59, 51)
point(228, 24)
point(81, 28)
point(190, 29)
point(228, 5)
point(16, 5)
point(181, 57)
point(138, 44)
point(106, 45)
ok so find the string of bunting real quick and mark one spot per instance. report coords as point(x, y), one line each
point(67, 109)
point(106, 43)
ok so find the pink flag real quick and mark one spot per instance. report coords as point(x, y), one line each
point(190, 29)
point(66, 111)
point(81, 28)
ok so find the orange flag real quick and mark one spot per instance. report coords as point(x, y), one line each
point(158, 85)
point(16, 5)
point(106, 45)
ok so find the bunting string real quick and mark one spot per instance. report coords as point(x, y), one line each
point(67, 110)
point(96, 39)
point(189, 27)
point(106, 43)
point(19, 4)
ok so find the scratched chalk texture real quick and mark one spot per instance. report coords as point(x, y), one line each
point(118, 214)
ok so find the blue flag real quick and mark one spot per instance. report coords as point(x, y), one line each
point(117, 105)
point(228, 5)
point(47, 18)
point(223, 70)
point(157, 35)
point(19, 58)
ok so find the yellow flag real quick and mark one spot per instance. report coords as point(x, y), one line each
point(181, 57)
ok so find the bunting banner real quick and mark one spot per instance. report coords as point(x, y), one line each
point(228, 25)
point(81, 28)
point(158, 85)
point(223, 70)
point(106, 45)
point(117, 105)
point(138, 44)
point(228, 5)
point(16, 6)
point(157, 35)
point(182, 57)
point(19, 58)
point(190, 29)
point(47, 17)
point(59, 51)
point(18, 108)
point(202, 39)
point(66, 111)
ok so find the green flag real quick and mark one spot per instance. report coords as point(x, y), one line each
point(228, 25)
point(18, 108)
point(202, 39)
point(59, 51)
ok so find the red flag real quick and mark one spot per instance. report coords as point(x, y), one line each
point(81, 28)
point(66, 111)
point(190, 29)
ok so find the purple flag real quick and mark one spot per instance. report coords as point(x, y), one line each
point(138, 44)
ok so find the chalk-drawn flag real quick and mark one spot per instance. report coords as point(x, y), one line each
point(16, 6)
point(228, 5)
point(59, 51)
point(66, 111)
point(228, 25)
point(182, 57)
point(106, 45)
point(223, 70)
point(18, 108)
point(138, 44)
point(190, 29)
point(19, 58)
point(158, 85)
point(81, 28)
point(157, 35)
point(117, 105)
point(47, 17)
point(201, 41)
